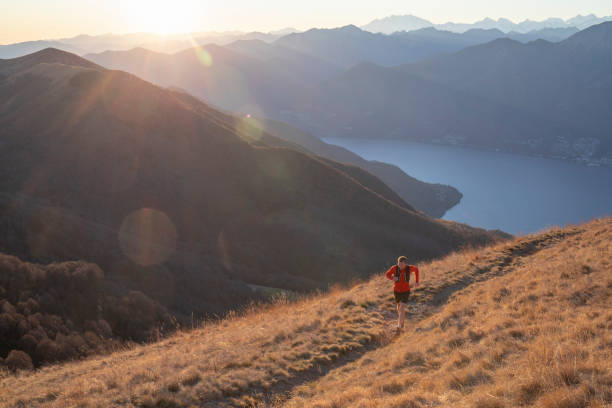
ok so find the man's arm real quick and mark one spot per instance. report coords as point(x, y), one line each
point(416, 275)
point(390, 274)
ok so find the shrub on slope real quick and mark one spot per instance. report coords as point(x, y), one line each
point(62, 311)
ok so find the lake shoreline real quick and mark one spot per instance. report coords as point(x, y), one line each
point(597, 162)
point(516, 193)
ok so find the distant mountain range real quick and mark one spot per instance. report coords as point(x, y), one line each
point(84, 44)
point(348, 46)
point(312, 56)
point(542, 98)
point(29, 47)
point(538, 98)
point(453, 41)
point(395, 23)
point(374, 49)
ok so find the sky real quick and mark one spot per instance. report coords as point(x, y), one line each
point(26, 20)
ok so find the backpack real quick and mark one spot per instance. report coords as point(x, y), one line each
point(398, 273)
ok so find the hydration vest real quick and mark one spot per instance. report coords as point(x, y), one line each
point(398, 273)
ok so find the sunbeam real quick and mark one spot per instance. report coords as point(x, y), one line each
point(160, 16)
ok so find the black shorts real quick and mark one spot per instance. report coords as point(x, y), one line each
point(401, 296)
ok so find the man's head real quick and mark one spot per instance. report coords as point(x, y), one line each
point(402, 261)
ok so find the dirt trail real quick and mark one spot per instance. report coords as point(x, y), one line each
point(424, 302)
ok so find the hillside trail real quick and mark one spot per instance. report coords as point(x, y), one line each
point(427, 300)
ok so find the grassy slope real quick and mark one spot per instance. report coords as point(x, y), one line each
point(520, 323)
point(540, 335)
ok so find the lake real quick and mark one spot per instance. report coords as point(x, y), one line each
point(514, 193)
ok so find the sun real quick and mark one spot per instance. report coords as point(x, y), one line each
point(160, 16)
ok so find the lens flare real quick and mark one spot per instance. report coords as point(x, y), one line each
point(201, 54)
point(147, 237)
point(249, 127)
point(204, 56)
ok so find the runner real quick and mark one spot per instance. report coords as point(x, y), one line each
point(400, 274)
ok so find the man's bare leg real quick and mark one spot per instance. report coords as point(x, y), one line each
point(401, 314)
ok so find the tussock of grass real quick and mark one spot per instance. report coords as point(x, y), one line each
point(520, 323)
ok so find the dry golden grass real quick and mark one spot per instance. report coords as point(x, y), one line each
point(540, 335)
point(220, 361)
point(526, 322)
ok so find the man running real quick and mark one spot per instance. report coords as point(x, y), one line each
point(400, 274)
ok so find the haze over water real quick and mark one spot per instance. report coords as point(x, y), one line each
point(514, 193)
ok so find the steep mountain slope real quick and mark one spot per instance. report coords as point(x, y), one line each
point(263, 132)
point(237, 81)
point(245, 76)
point(48, 56)
point(523, 323)
point(432, 199)
point(179, 201)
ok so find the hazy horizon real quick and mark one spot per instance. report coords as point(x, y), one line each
point(65, 18)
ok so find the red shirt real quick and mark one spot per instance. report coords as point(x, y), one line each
point(402, 285)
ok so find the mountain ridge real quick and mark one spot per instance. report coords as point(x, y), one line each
point(394, 23)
